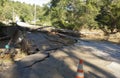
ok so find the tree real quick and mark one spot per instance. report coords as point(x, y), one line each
point(3, 4)
point(61, 12)
point(109, 17)
point(73, 14)
point(23, 10)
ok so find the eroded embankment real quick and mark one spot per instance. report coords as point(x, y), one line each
point(36, 44)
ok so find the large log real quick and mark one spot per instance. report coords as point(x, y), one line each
point(4, 38)
point(26, 25)
point(49, 29)
point(67, 32)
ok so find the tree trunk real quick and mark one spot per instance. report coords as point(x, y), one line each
point(106, 36)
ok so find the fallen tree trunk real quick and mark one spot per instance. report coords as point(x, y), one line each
point(52, 29)
point(4, 38)
point(67, 32)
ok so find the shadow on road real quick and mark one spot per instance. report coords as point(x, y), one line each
point(98, 72)
point(48, 68)
point(103, 49)
point(56, 67)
